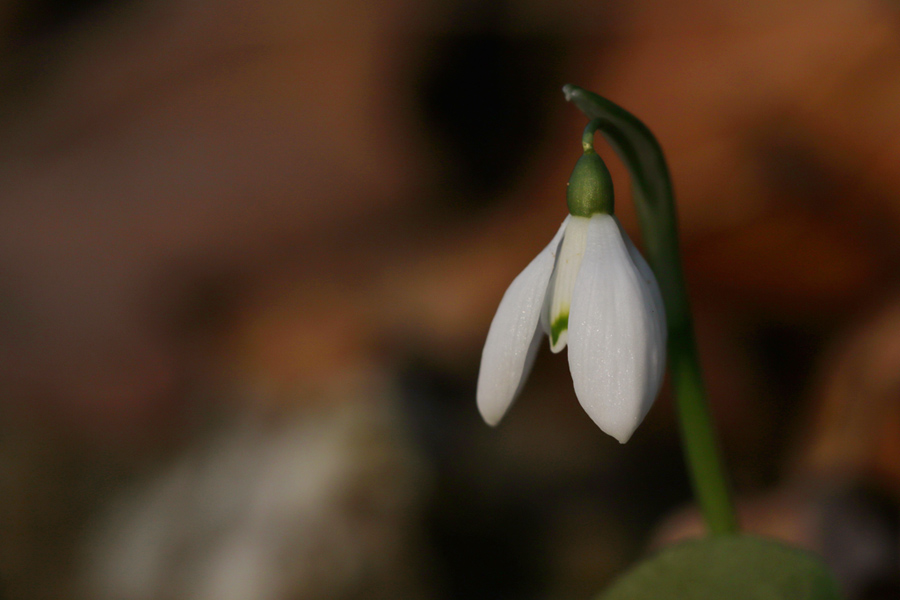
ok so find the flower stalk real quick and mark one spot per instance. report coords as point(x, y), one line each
point(655, 206)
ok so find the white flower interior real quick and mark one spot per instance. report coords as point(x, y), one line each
point(563, 282)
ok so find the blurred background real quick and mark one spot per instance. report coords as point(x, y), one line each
point(250, 251)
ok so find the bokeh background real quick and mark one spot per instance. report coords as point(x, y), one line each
point(249, 253)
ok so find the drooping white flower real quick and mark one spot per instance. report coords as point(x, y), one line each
point(590, 290)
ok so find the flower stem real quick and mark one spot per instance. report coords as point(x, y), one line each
point(587, 138)
point(655, 205)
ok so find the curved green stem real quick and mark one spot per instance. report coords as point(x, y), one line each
point(655, 206)
point(587, 138)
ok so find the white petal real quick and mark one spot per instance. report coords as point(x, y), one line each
point(616, 344)
point(652, 288)
point(563, 281)
point(511, 345)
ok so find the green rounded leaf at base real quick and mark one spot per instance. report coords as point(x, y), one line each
point(729, 567)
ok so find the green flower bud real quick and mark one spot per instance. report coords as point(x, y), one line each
point(590, 189)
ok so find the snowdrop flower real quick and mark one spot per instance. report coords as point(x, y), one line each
point(590, 290)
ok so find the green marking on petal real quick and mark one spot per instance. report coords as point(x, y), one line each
point(560, 324)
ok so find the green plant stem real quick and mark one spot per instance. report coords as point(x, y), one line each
point(655, 205)
point(587, 138)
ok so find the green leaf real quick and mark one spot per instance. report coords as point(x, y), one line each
point(727, 567)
